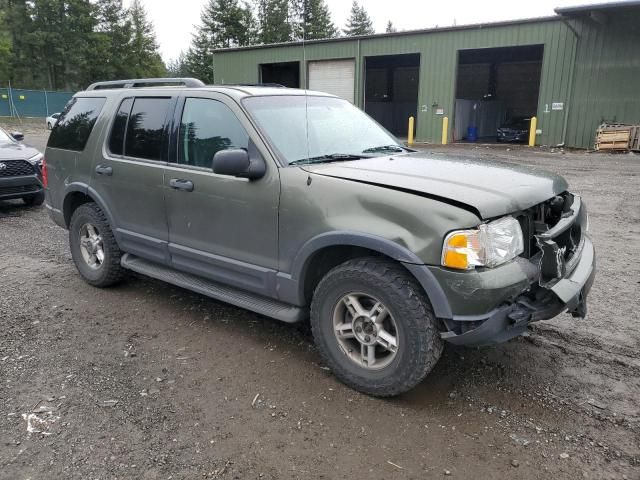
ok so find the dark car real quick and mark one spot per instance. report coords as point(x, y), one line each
point(515, 130)
point(20, 170)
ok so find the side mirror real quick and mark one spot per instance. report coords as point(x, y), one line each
point(239, 163)
point(17, 136)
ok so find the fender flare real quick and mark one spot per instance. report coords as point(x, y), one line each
point(293, 287)
point(91, 193)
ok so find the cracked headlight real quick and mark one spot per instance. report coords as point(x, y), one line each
point(489, 245)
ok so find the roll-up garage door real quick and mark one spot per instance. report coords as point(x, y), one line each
point(336, 77)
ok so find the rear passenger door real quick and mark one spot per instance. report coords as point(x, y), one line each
point(221, 227)
point(129, 176)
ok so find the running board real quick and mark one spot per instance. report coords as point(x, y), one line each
point(234, 296)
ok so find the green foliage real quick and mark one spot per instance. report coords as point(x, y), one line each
point(67, 44)
point(359, 22)
point(142, 52)
point(313, 20)
point(274, 21)
point(390, 27)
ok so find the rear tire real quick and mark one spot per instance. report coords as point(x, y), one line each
point(346, 325)
point(94, 248)
point(34, 200)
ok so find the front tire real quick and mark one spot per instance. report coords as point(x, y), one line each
point(374, 326)
point(94, 248)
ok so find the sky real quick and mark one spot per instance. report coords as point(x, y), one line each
point(175, 21)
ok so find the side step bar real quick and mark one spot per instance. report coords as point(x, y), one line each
point(234, 296)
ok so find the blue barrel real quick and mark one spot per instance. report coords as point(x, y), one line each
point(472, 134)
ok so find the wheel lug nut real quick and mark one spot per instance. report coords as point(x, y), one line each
point(367, 338)
point(358, 329)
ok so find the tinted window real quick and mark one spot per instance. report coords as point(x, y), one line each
point(116, 140)
point(74, 126)
point(145, 130)
point(207, 127)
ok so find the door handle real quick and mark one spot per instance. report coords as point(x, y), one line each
point(104, 170)
point(181, 184)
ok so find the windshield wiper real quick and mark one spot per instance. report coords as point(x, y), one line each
point(387, 148)
point(333, 157)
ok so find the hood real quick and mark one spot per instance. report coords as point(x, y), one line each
point(487, 188)
point(16, 151)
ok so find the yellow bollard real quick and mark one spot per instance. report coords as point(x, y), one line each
point(410, 133)
point(532, 131)
point(445, 130)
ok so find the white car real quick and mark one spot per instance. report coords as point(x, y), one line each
point(51, 120)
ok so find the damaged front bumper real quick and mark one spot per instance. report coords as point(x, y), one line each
point(556, 280)
point(509, 321)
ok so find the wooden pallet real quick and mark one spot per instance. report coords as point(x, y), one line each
point(613, 137)
point(634, 141)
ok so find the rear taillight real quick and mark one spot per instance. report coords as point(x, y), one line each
point(45, 176)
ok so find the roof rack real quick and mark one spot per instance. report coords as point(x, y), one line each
point(147, 82)
point(268, 84)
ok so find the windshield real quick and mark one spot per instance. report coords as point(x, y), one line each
point(302, 128)
point(5, 138)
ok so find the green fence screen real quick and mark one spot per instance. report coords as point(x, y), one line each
point(31, 103)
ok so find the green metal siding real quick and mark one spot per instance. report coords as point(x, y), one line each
point(607, 76)
point(598, 70)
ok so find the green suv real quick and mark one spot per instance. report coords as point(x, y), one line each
point(298, 206)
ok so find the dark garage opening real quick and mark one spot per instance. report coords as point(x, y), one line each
point(391, 90)
point(286, 74)
point(496, 87)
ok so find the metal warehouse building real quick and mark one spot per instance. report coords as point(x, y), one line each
point(572, 71)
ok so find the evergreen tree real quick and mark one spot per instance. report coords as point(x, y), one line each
point(390, 27)
point(5, 50)
point(313, 20)
point(142, 51)
point(112, 37)
point(198, 61)
point(359, 22)
point(274, 21)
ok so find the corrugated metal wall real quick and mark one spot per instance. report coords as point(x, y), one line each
point(604, 79)
point(607, 75)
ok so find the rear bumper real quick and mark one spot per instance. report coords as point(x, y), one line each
point(512, 319)
point(19, 187)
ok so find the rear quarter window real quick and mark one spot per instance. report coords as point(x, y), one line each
point(73, 128)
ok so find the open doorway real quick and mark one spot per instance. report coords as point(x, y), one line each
point(286, 74)
point(391, 90)
point(497, 93)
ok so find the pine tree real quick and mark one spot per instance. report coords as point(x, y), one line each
point(390, 27)
point(142, 51)
point(359, 22)
point(5, 50)
point(198, 60)
point(313, 20)
point(274, 21)
point(112, 37)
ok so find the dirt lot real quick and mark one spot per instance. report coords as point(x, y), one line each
point(150, 381)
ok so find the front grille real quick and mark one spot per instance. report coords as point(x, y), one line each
point(18, 190)
point(16, 168)
point(554, 235)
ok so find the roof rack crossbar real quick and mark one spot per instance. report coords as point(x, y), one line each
point(147, 82)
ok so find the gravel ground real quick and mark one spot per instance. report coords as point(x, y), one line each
point(150, 381)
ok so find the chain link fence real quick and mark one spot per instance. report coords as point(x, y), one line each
point(20, 103)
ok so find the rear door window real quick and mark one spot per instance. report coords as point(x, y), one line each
point(145, 131)
point(116, 140)
point(73, 128)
